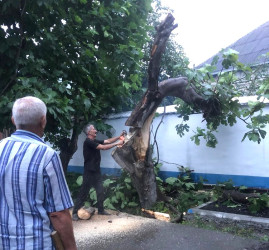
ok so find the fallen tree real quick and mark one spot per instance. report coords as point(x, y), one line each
point(135, 156)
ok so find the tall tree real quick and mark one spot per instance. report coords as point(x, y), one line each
point(80, 56)
point(135, 155)
point(217, 97)
point(174, 61)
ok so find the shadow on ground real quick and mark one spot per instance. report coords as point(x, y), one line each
point(127, 232)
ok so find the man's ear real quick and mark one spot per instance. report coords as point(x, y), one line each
point(43, 122)
point(12, 119)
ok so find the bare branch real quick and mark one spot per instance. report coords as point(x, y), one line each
point(163, 32)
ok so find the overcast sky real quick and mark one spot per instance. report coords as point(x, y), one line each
point(207, 26)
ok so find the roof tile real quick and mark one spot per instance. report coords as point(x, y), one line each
point(250, 47)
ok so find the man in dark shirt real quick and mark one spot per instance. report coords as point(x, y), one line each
point(92, 172)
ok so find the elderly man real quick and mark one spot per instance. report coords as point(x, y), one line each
point(92, 172)
point(34, 195)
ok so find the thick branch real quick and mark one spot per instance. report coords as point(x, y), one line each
point(238, 196)
point(163, 32)
point(144, 109)
point(178, 87)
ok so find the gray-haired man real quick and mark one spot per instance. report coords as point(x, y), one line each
point(92, 172)
point(33, 192)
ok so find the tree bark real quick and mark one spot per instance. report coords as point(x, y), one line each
point(238, 196)
point(67, 148)
point(135, 156)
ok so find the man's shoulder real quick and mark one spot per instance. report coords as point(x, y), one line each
point(92, 143)
point(31, 148)
point(95, 141)
point(89, 141)
point(26, 136)
point(30, 141)
point(99, 141)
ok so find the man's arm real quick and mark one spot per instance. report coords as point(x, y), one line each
point(108, 146)
point(111, 140)
point(62, 223)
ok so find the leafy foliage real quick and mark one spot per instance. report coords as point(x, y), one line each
point(81, 57)
point(184, 193)
point(254, 204)
point(120, 193)
point(227, 86)
point(258, 204)
point(73, 183)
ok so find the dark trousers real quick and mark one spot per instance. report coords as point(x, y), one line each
point(90, 179)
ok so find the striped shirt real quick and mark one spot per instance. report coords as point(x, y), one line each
point(32, 184)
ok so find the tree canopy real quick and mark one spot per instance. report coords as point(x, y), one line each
point(228, 86)
point(82, 57)
point(88, 58)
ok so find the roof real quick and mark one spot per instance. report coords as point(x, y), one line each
point(250, 48)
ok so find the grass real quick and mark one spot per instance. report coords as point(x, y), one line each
point(235, 228)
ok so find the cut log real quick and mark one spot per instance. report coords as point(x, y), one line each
point(238, 196)
point(156, 215)
point(85, 213)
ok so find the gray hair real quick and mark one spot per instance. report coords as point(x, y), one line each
point(28, 111)
point(88, 128)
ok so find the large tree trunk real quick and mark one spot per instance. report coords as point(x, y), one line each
point(135, 155)
point(68, 147)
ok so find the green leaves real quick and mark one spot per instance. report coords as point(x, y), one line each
point(83, 1)
point(227, 86)
point(126, 85)
point(230, 57)
point(93, 195)
point(79, 180)
point(108, 182)
point(182, 182)
point(255, 135)
point(255, 106)
point(81, 57)
point(171, 180)
point(258, 204)
point(120, 193)
point(182, 128)
point(209, 137)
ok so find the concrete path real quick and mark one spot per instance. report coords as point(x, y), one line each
point(128, 232)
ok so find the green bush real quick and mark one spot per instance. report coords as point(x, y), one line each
point(258, 204)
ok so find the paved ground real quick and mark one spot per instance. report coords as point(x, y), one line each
point(128, 232)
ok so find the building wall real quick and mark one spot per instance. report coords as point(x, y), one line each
point(245, 163)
